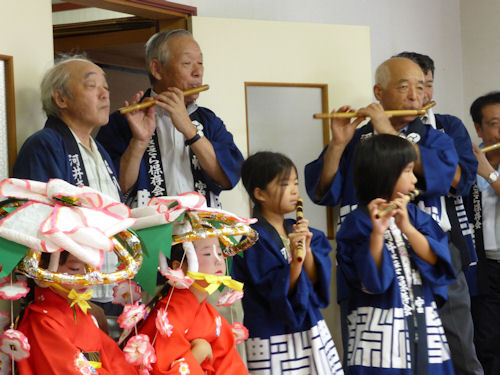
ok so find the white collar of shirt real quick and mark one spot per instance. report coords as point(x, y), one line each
point(429, 118)
point(97, 172)
point(175, 156)
point(491, 213)
point(99, 179)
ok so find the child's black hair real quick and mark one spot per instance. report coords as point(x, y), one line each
point(45, 258)
point(378, 163)
point(259, 169)
point(176, 253)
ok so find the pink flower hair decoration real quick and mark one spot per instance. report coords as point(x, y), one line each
point(139, 352)
point(13, 291)
point(131, 315)
point(15, 344)
point(126, 292)
point(177, 278)
point(228, 298)
point(240, 332)
point(162, 323)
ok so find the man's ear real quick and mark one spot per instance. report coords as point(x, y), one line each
point(377, 92)
point(156, 69)
point(60, 99)
point(479, 130)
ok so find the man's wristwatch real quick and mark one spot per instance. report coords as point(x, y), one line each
point(199, 134)
point(492, 177)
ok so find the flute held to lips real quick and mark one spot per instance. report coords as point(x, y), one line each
point(150, 103)
point(299, 216)
point(392, 113)
point(393, 206)
point(491, 147)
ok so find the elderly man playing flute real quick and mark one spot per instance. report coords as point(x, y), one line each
point(179, 146)
point(329, 179)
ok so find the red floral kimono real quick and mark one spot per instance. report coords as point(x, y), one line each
point(61, 346)
point(192, 320)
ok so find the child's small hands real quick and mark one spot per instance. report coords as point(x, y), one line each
point(302, 226)
point(401, 213)
point(380, 224)
point(295, 238)
point(201, 350)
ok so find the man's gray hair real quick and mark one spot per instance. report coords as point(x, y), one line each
point(56, 79)
point(383, 75)
point(156, 48)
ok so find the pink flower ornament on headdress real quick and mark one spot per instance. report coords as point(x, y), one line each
point(227, 299)
point(177, 278)
point(162, 323)
point(4, 364)
point(13, 291)
point(121, 292)
point(240, 332)
point(139, 352)
point(131, 315)
point(15, 344)
point(59, 216)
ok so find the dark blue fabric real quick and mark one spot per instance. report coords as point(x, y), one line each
point(439, 161)
point(462, 235)
point(116, 135)
point(269, 309)
point(486, 314)
point(456, 130)
point(378, 287)
point(357, 265)
point(44, 156)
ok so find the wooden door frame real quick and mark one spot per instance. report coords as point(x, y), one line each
point(169, 15)
point(147, 18)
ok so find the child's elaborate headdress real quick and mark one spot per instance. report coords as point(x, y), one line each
point(167, 221)
point(51, 217)
point(37, 218)
point(181, 220)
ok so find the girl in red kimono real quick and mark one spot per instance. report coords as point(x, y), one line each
point(66, 340)
point(198, 339)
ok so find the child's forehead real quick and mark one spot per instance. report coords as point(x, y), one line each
point(206, 242)
point(73, 259)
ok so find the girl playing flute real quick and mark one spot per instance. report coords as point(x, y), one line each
point(282, 294)
point(392, 265)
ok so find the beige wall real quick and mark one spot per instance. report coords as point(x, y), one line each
point(237, 50)
point(27, 36)
point(481, 51)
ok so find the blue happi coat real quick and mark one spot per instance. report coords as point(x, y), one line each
point(116, 136)
point(439, 163)
point(377, 339)
point(274, 317)
point(45, 155)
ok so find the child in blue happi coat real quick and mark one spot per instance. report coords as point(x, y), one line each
point(392, 265)
point(284, 291)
